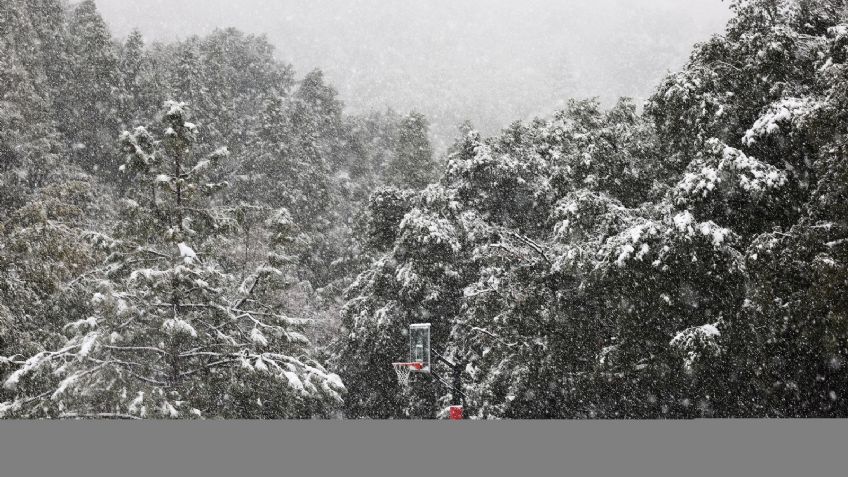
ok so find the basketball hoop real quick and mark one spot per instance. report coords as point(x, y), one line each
point(404, 370)
point(419, 362)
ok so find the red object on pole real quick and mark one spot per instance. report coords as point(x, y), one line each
point(456, 413)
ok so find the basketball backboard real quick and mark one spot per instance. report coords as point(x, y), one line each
point(419, 345)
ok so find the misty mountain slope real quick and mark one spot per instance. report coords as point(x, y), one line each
point(491, 62)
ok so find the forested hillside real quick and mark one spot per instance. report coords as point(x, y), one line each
point(178, 220)
point(196, 230)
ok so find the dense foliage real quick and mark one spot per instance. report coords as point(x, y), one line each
point(689, 261)
point(683, 259)
point(145, 271)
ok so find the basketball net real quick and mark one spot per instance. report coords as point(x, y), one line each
point(404, 371)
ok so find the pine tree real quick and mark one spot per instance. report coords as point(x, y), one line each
point(86, 105)
point(169, 336)
point(134, 100)
point(412, 166)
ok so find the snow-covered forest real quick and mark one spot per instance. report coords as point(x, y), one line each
point(193, 229)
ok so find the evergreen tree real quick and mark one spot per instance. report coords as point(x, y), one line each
point(412, 166)
point(134, 97)
point(86, 106)
point(172, 334)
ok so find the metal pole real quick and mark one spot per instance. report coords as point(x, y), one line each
point(456, 391)
point(456, 387)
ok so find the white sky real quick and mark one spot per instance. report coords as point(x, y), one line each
point(491, 61)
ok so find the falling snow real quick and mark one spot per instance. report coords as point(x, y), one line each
point(209, 227)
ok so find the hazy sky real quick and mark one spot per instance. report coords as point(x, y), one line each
point(491, 61)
